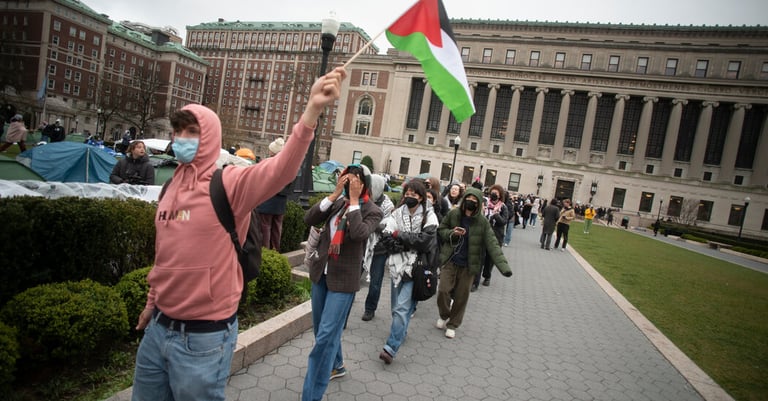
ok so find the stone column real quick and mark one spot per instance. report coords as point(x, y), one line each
point(509, 139)
point(615, 135)
point(464, 132)
point(641, 142)
point(732, 141)
point(562, 123)
point(760, 165)
point(422, 127)
point(670, 138)
point(589, 127)
point(485, 141)
point(442, 134)
point(538, 112)
point(700, 140)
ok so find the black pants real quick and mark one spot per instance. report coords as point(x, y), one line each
point(562, 231)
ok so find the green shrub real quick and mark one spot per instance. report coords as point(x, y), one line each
point(693, 238)
point(66, 320)
point(133, 289)
point(368, 162)
point(294, 229)
point(750, 251)
point(9, 353)
point(274, 281)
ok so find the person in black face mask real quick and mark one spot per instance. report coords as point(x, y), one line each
point(497, 214)
point(467, 236)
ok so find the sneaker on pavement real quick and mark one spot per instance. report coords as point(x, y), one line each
point(441, 323)
point(368, 315)
point(338, 372)
point(562, 249)
point(486, 282)
point(474, 288)
point(450, 333)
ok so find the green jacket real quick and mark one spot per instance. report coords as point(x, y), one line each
point(481, 237)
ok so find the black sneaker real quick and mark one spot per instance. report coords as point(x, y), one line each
point(368, 315)
point(474, 288)
point(486, 282)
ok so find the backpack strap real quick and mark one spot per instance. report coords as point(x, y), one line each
point(224, 210)
point(164, 188)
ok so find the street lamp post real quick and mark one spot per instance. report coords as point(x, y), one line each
point(330, 28)
point(743, 214)
point(98, 120)
point(456, 143)
point(592, 191)
point(661, 201)
point(480, 177)
point(77, 122)
point(539, 183)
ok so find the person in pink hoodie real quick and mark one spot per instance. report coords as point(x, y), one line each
point(190, 318)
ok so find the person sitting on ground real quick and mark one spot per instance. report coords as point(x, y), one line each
point(135, 168)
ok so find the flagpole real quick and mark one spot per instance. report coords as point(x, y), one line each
point(359, 52)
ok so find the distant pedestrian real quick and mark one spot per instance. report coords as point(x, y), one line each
point(271, 212)
point(535, 207)
point(656, 227)
point(373, 261)
point(589, 214)
point(497, 214)
point(55, 132)
point(549, 216)
point(17, 133)
point(564, 223)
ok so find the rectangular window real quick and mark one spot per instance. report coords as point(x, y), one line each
point(57, 25)
point(738, 180)
point(764, 71)
point(362, 127)
point(646, 202)
point(559, 60)
point(405, 163)
point(586, 62)
point(675, 206)
point(734, 217)
point(707, 176)
point(82, 35)
point(704, 213)
point(374, 78)
point(613, 63)
point(366, 79)
point(701, 69)
point(642, 65)
point(490, 177)
point(618, 197)
point(510, 59)
point(649, 169)
point(72, 31)
point(534, 61)
point(764, 226)
point(487, 55)
point(733, 70)
point(357, 156)
point(52, 69)
point(55, 40)
point(514, 182)
point(445, 172)
point(678, 172)
point(465, 54)
point(97, 40)
point(671, 69)
point(425, 166)
point(622, 165)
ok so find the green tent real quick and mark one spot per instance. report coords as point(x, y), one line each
point(10, 169)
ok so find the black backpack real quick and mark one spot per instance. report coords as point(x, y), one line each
point(248, 254)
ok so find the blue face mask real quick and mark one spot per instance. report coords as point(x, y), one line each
point(185, 149)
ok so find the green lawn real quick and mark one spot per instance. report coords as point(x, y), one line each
point(714, 311)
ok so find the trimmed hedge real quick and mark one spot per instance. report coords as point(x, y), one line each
point(294, 229)
point(133, 289)
point(274, 281)
point(9, 354)
point(66, 320)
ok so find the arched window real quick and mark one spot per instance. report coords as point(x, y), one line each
point(365, 107)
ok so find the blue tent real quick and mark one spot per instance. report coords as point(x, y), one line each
point(69, 162)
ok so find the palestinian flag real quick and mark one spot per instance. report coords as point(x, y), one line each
point(424, 31)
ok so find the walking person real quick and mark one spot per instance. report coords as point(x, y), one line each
point(373, 261)
point(526, 212)
point(467, 236)
point(17, 133)
point(190, 318)
point(349, 218)
point(272, 211)
point(414, 227)
point(589, 214)
point(535, 207)
point(564, 223)
point(549, 216)
point(513, 214)
point(497, 214)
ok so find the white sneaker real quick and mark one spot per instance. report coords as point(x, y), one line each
point(450, 333)
point(441, 323)
point(562, 249)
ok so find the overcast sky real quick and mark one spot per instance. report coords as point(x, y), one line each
point(374, 16)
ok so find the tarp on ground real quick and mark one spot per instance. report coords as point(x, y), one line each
point(69, 162)
point(11, 169)
point(55, 190)
point(331, 165)
point(322, 180)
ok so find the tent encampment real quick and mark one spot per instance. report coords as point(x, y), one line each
point(69, 162)
point(10, 169)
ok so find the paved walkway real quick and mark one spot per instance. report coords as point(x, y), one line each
point(551, 332)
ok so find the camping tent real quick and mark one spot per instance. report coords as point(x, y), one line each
point(10, 169)
point(69, 162)
point(322, 180)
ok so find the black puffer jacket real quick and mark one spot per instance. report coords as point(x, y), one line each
point(133, 171)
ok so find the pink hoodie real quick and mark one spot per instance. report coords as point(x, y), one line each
point(196, 275)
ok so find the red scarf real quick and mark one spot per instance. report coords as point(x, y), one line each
point(341, 227)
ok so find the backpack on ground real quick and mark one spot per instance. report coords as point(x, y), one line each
point(249, 253)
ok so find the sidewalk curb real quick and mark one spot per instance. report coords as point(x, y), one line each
point(704, 385)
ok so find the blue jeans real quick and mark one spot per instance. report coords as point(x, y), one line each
point(532, 219)
point(329, 312)
point(402, 308)
point(508, 233)
point(176, 365)
point(374, 288)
